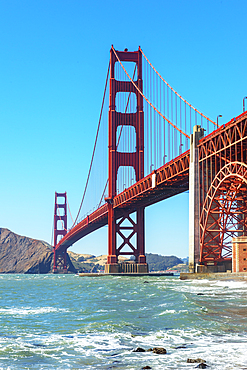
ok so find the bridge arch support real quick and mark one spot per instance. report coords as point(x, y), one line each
point(223, 214)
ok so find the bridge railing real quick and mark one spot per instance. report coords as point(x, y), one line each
point(72, 235)
point(167, 173)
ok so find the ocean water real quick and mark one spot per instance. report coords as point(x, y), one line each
point(71, 322)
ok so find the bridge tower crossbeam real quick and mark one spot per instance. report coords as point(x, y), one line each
point(60, 229)
point(117, 229)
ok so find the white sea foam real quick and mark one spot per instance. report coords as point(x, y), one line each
point(220, 352)
point(223, 352)
point(166, 312)
point(172, 312)
point(29, 310)
point(84, 339)
point(231, 284)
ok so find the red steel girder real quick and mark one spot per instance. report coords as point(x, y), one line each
point(223, 213)
point(171, 179)
point(60, 229)
point(222, 162)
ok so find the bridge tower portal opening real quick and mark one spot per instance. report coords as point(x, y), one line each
point(116, 225)
point(60, 230)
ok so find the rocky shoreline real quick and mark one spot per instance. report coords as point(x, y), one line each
point(162, 351)
point(214, 276)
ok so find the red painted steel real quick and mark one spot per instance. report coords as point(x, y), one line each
point(170, 179)
point(59, 255)
point(223, 183)
point(223, 190)
point(118, 159)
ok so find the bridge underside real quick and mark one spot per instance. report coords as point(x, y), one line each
point(223, 194)
point(169, 180)
point(92, 223)
point(218, 172)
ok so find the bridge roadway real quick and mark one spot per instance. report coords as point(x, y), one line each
point(169, 180)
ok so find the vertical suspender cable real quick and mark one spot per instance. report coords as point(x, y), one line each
point(180, 121)
point(175, 132)
point(164, 125)
point(168, 115)
point(172, 121)
point(94, 148)
point(190, 121)
point(160, 126)
point(185, 123)
point(151, 147)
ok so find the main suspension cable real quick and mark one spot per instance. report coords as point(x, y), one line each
point(127, 103)
point(69, 209)
point(175, 92)
point(140, 92)
point(94, 148)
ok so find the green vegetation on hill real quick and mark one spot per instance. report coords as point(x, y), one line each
point(19, 254)
point(86, 267)
point(157, 262)
point(90, 263)
point(85, 262)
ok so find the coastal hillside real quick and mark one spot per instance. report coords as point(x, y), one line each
point(157, 262)
point(23, 255)
point(91, 263)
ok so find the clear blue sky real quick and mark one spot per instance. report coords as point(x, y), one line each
point(54, 57)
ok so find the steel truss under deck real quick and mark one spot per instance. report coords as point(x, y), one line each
point(223, 190)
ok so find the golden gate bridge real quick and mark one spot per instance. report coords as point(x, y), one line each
point(150, 145)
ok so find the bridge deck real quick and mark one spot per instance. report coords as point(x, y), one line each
point(169, 180)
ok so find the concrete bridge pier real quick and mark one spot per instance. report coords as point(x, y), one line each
point(194, 187)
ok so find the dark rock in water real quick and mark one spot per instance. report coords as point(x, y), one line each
point(195, 360)
point(145, 282)
point(23, 255)
point(202, 366)
point(146, 367)
point(150, 350)
point(159, 350)
point(139, 349)
point(200, 294)
point(181, 347)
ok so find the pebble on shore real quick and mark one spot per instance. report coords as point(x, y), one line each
point(157, 350)
point(193, 361)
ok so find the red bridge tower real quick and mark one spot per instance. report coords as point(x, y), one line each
point(60, 229)
point(118, 227)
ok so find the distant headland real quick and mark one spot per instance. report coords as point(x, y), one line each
point(23, 255)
